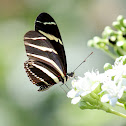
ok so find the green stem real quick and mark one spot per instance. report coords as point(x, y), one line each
point(120, 104)
point(117, 113)
point(111, 54)
point(93, 95)
point(121, 51)
point(107, 109)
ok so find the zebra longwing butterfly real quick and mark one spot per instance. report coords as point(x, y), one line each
point(47, 64)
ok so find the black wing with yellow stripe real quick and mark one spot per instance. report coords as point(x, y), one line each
point(46, 65)
point(46, 25)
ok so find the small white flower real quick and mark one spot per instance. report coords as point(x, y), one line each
point(75, 100)
point(114, 83)
point(71, 93)
point(83, 86)
point(108, 98)
point(74, 95)
point(113, 92)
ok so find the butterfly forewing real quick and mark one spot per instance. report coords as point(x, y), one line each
point(47, 61)
point(46, 25)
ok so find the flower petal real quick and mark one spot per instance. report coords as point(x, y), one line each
point(105, 98)
point(71, 93)
point(75, 100)
point(113, 101)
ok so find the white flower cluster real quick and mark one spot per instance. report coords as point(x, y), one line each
point(83, 86)
point(115, 82)
point(112, 83)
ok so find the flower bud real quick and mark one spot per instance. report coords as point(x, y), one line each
point(124, 60)
point(90, 43)
point(107, 66)
point(124, 22)
point(120, 19)
point(85, 105)
point(116, 25)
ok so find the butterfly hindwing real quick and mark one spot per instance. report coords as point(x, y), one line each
point(44, 65)
point(40, 74)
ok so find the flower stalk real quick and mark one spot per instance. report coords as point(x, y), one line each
point(117, 113)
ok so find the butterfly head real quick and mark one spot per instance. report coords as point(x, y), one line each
point(70, 75)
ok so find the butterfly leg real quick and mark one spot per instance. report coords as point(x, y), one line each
point(63, 89)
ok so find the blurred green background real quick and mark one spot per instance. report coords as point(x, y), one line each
point(78, 20)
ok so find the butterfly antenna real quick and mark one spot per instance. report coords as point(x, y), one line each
point(83, 61)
